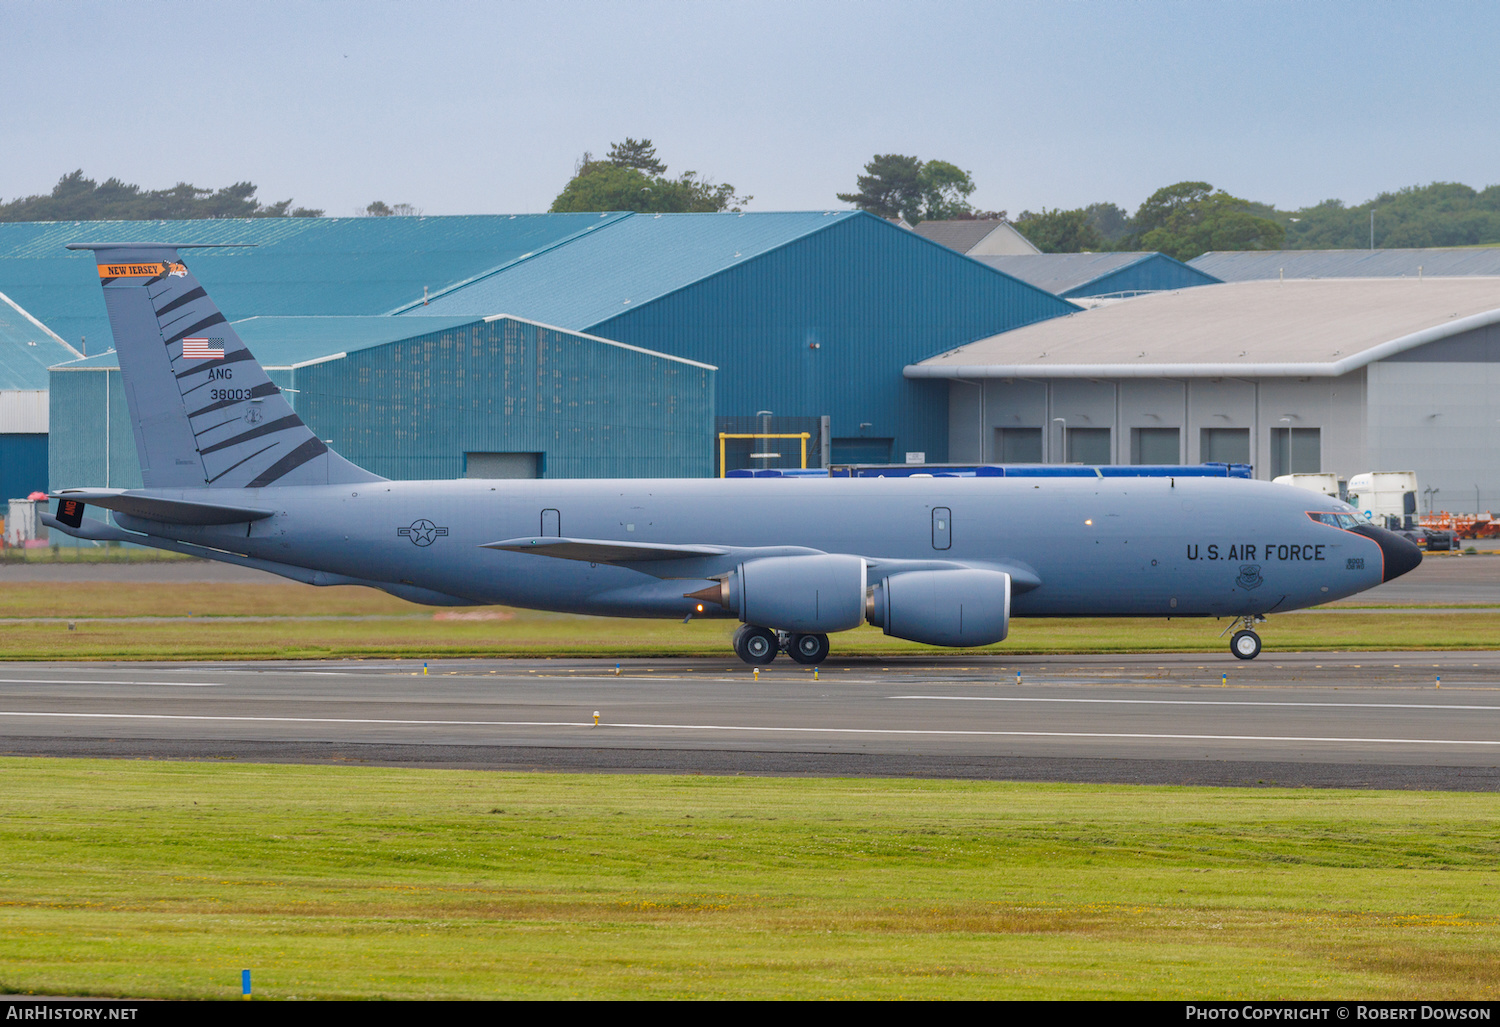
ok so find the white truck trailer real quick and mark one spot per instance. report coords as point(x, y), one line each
point(1389, 498)
point(1326, 484)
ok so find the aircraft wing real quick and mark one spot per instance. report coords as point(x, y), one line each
point(169, 510)
point(605, 551)
point(660, 559)
point(668, 560)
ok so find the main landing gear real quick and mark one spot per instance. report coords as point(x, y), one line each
point(1245, 643)
point(758, 646)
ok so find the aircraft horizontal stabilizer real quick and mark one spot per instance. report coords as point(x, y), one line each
point(163, 509)
point(91, 530)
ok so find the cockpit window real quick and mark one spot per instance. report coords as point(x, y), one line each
point(1336, 520)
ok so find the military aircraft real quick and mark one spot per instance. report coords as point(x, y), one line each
point(232, 473)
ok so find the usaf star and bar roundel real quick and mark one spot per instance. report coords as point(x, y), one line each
point(422, 532)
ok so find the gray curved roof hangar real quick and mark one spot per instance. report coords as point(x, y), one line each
point(1325, 327)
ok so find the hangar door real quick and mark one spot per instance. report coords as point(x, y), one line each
point(502, 465)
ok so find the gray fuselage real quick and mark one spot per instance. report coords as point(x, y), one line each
point(1156, 547)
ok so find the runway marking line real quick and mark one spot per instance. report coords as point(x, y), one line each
point(97, 681)
point(748, 728)
point(1203, 702)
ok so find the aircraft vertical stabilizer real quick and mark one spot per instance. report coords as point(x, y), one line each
point(205, 413)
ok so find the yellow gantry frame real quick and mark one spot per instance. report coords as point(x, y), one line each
point(804, 436)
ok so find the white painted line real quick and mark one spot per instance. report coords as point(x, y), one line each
point(301, 720)
point(1204, 702)
point(745, 728)
point(98, 681)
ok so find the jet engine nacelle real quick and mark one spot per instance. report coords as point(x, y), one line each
point(806, 594)
point(951, 607)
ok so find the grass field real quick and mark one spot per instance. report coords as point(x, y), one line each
point(202, 621)
point(144, 879)
point(88, 554)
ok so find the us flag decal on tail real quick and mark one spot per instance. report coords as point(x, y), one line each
point(202, 349)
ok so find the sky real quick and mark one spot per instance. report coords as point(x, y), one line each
point(485, 107)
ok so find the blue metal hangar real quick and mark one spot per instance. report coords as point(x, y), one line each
point(27, 349)
point(805, 314)
point(434, 397)
point(808, 315)
point(1080, 276)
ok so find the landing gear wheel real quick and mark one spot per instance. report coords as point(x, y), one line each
point(1245, 645)
point(738, 641)
point(756, 645)
point(808, 649)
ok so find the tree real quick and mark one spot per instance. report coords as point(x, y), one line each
point(1170, 200)
point(1438, 214)
point(603, 186)
point(1188, 219)
point(636, 153)
point(945, 191)
point(891, 187)
point(1060, 231)
point(631, 178)
point(381, 209)
point(1112, 223)
point(895, 185)
point(76, 198)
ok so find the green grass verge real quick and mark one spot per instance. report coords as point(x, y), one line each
point(88, 554)
point(190, 621)
point(535, 634)
point(142, 879)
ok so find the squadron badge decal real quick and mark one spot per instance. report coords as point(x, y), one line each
point(422, 532)
point(1249, 576)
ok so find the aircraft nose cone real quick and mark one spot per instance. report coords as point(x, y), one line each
point(1401, 554)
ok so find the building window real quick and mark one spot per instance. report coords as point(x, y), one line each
point(1225, 445)
point(1296, 451)
point(1018, 445)
point(1088, 446)
point(1154, 446)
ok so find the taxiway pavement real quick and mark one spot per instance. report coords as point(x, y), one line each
point(1349, 720)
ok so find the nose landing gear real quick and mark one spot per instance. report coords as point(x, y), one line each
point(1245, 643)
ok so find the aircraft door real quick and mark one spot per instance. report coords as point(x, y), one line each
point(551, 524)
point(942, 527)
